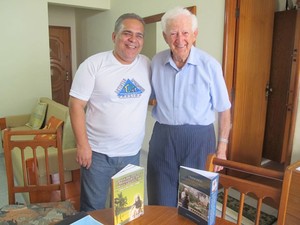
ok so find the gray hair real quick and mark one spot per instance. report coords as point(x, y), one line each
point(175, 12)
point(119, 21)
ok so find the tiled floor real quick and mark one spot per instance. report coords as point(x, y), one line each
point(250, 201)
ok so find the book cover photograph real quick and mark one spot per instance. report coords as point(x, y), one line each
point(197, 195)
point(128, 194)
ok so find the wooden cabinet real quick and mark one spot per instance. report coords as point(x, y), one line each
point(257, 120)
point(289, 211)
point(283, 86)
point(246, 65)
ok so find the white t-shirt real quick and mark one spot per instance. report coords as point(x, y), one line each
point(117, 98)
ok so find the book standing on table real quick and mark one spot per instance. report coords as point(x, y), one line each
point(197, 195)
point(128, 194)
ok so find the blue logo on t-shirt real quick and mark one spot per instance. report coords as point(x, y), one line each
point(129, 89)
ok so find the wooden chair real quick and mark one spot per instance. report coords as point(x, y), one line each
point(33, 153)
point(244, 183)
point(289, 211)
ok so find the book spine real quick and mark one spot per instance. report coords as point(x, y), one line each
point(213, 202)
point(113, 189)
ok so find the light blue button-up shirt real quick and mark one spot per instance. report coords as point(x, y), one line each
point(190, 95)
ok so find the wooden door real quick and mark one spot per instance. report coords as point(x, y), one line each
point(281, 106)
point(246, 70)
point(60, 57)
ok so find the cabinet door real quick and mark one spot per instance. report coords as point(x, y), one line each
point(251, 68)
point(282, 79)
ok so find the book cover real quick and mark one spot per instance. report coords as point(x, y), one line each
point(197, 195)
point(128, 194)
point(79, 219)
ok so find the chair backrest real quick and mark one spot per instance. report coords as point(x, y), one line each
point(289, 211)
point(33, 154)
point(245, 185)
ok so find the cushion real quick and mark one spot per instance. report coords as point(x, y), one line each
point(69, 138)
point(37, 116)
point(53, 122)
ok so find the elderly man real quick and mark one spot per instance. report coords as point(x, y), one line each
point(189, 89)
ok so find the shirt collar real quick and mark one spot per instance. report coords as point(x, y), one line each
point(192, 59)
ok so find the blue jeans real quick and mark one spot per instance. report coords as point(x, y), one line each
point(96, 181)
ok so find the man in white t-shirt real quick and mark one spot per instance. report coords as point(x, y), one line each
point(108, 107)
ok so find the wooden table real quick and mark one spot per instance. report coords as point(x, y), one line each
point(154, 215)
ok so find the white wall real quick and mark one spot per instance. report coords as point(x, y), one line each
point(296, 144)
point(92, 4)
point(150, 40)
point(24, 59)
point(210, 27)
point(93, 34)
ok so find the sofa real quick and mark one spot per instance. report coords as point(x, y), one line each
point(18, 122)
point(61, 112)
